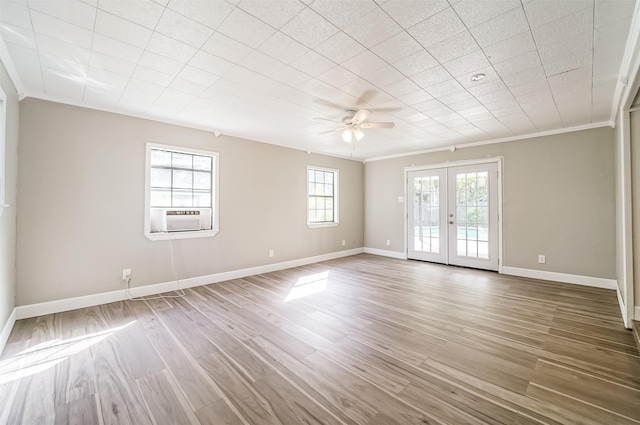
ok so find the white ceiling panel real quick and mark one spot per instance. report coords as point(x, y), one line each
point(439, 27)
point(170, 48)
point(343, 13)
point(183, 29)
point(500, 28)
point(309, 28)
point(27, 63)
point(60, 30)
point(373, 28)
point(206, 12)
point(75, 12)
point(415, 63)
point(15, 14)
point(475, 13)
point(283, 63)
point(409, 12)
point(283, 48)
point(126, 31)
point(143, 12)
point(276, 13)
point(18, 35)
point(340, 48)
point(226, 47)
point(245, 28)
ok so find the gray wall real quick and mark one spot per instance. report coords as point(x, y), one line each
point(81, 185)
point(559, 200)
point(8, 219)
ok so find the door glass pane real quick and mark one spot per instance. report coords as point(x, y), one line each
point(426, 226)
point(472, 214)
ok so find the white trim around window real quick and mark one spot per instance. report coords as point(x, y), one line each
point(3, 150)
point(322, 187)
point(168, 215)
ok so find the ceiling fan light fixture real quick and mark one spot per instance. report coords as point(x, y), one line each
point(347, 135)
point(358, 133)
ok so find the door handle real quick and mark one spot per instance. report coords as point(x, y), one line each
point(451, 222)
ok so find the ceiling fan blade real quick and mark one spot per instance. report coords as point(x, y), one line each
point(331, 131)
point(377, 125)
point(360, 116)
point(326, 119)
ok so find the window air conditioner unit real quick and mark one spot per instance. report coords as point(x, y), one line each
point(182, 220)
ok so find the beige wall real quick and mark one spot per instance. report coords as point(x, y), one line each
point(81, 185)
point(559, 200)
point(8, 219)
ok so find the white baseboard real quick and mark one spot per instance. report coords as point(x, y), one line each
point(623, 309)
point(6, 329)
point(385, 253)
point(33, 310)
point(575, 279)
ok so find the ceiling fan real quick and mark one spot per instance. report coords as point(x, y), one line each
point(351, 126)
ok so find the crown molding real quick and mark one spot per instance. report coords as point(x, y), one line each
point(8, 64)
point(502, 140)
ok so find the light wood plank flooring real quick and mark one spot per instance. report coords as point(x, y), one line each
point(359, 340)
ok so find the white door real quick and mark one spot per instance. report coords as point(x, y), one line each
point(472, 216)
point(453, 215)
point(427, 217)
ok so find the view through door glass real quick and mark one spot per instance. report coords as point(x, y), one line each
point(427, 234)
point(453, 215)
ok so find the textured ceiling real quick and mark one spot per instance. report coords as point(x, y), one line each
point(265, 69)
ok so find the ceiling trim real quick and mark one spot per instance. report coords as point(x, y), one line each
point(8, 64)
point(210, 129)
point(628, 68)
point(502, 140)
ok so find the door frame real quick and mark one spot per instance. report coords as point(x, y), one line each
point(494, 159)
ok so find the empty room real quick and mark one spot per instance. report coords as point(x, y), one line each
point(339, 212)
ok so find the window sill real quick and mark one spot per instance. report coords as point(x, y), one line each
point(164, 236)
point(317, 225)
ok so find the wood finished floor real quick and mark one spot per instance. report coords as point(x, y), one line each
point(383, 342)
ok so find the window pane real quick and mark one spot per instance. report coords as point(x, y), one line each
point(202, 199)
point(160, 177)
point(182, 160)
point(182, 179)
point(160, 158)
point(328, 190)
point(319, 177)
point(201, 180)
point(311, 175)
point(202, 163)
point(312, 216)
point(328, 178)
point(182, 199)
point(160, 198)
point(329, 215)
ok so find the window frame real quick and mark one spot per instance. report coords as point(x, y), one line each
point(3, 151)
point(336, 197)
point(215, 194)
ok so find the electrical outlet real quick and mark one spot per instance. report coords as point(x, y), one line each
point(271, 253)
point(344, 242)
point(542, 259)
point(388, 242)
point(126, 274)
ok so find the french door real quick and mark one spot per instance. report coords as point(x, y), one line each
point(453, 215)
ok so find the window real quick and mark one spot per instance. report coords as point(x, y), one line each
point(181, 192)
point(322, 197)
